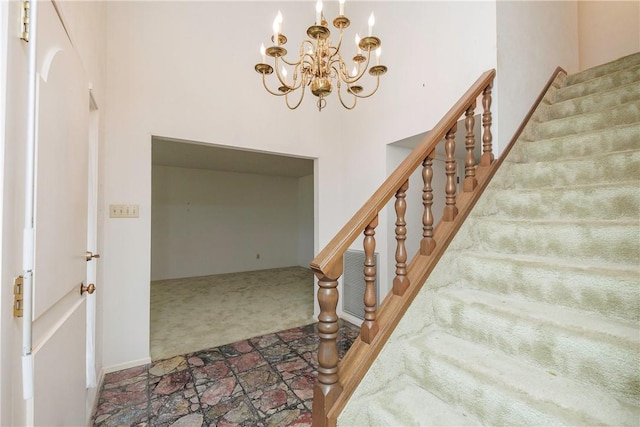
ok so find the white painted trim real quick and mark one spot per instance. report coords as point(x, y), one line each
point(126, 365)
point(5, 401)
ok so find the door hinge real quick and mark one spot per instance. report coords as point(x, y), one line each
point(26, 12)
point(18, 296)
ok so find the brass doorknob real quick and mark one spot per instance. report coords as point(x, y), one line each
point(90, 255)
point(90, 289)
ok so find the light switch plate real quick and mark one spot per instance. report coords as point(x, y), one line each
point(124, 211)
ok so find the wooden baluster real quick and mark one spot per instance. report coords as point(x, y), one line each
point(470, 181)
point(327, 388)
point(401, 281)
point(487, 153)
point(369, 327)
point(450, 209)
point(427, 244)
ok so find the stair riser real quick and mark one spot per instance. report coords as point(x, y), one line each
point(606, 169)
point(601, 70)
point(590, 290)
point(604, 202)
point(621, 138)
point(594, 103)
point(621, 115)
point(599, 84)
point(608, 243)
point(589, 358)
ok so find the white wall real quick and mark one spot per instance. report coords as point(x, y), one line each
point(173, 70)
point(305, 220)
point(534, 37)
point(608, 30)
point(214, 222)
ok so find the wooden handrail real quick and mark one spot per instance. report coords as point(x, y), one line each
point(338, 380)
point(331, 256)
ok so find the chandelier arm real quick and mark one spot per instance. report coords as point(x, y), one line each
point(374, 90)
point(264, 83)
point(362, 70)
point(339, 90)
point(286, 99)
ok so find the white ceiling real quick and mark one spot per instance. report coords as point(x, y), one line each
point(190, 154)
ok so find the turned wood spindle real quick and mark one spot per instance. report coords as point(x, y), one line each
point(401, 281)
point(450, 209)
point(327, 388)
point(369, 327)
point(470, 181)
point(427, 244)
point(487, 138)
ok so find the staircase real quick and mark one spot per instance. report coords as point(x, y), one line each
point(532, 316)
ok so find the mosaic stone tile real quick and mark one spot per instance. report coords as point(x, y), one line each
point(126, 395)
point(261, 377)
point(305, 344)
point(264, 341)
point(298, 417)
point(126, 376)
point(302, 386)
point(168, 366)
point(205, 357)
point(191, 420)
point(263, 381)
point(218, 391)
point(167, 409)
point(272, 399)
point(246, 362)
point(172, 383)
point(293, 367)
point(291, 334)
point(208, 373)
point(130, 415)
point(233, 412)
point(277, 353)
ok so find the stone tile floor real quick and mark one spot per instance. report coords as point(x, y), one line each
point(263, 381)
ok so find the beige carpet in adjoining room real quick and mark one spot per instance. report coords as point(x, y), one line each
point(200, 312)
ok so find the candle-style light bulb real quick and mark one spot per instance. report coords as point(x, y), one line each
point(378, 53)
point(354, 72)
point(341, 7)
point(372, 21)
point(284, 73)
point(277, 24)
point(319, 12)
point(262, 52)
point(358, 44)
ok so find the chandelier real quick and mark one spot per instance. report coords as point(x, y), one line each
point(320, 64)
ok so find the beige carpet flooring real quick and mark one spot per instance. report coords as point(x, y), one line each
point(195, 313)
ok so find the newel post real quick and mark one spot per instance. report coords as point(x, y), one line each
point(327, 388)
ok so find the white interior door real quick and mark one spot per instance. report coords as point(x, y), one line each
point(61, 189)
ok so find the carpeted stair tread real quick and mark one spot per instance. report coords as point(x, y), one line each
point(502, 390)
point(594, 102)
point(532, 315)
point(619, 64)
point(620, 114)
point(598, 84)
point(609, 290)
point(605, 168)
point(590, 240)
point(405, 403)
point(611, 139)
point(620, 200)
point(582, 346)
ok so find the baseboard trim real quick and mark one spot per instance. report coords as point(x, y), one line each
point(126, 365)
